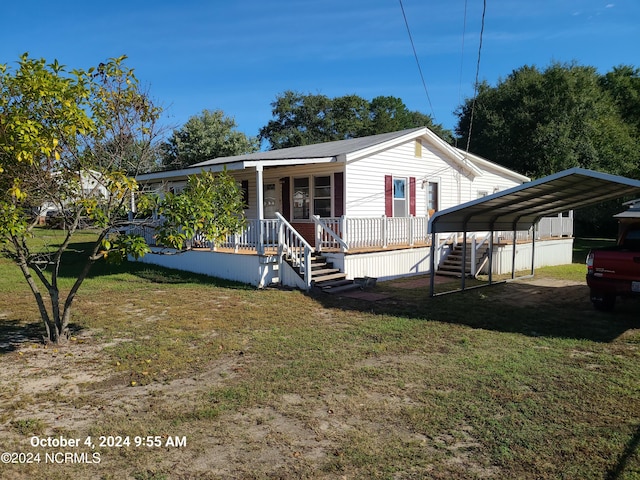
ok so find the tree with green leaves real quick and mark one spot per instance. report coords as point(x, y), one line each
point(204, 137)
point(67, 141)
point(210, 208)
point(623, 84)
point(54, 125)
point(541, 122)
point(308, 119)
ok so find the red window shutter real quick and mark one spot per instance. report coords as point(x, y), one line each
point(412, 196)
point(388, 195)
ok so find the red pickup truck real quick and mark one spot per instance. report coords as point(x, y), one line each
point(615, 271)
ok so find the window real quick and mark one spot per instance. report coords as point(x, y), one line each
point(300, 198)
point(400, 197)
point(322, 196)
point(432, 197)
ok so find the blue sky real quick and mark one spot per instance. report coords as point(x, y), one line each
point(236, 56)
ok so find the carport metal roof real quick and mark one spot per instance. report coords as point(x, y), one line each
point(519, 208)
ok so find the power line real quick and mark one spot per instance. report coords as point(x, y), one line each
point(475, 85)
point(464, 33)
point(415, 54)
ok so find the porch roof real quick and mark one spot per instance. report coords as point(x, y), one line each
point(326, 152)
point(520, 207)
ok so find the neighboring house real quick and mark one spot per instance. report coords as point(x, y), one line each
point(631, 215)
point(91, 185)
point(364, 203)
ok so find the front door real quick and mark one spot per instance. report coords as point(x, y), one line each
point(271, 200)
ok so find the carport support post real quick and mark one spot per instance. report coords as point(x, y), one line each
point(513, 254)
point(533, 248)
point(432, 268)
point(464, 259)
point(491, 257)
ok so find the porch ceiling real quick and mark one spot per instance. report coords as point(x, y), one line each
point(520, 207)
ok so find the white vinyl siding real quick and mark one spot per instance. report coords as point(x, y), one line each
point(364, 180)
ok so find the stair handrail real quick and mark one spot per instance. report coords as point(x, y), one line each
point(319, 223)
point(451, 239)
point(476, 246)
point(296, 247)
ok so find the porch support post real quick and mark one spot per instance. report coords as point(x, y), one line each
point(260, 207)
point(259, 192)
point(513, 253)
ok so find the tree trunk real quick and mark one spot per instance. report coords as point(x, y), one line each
point(62, 322)
point(50, 326)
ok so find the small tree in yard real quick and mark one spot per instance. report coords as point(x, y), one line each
point(66, 140)
point(54, 126)
point(211, 206)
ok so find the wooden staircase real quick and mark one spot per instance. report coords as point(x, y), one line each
point(326, 278)
point(452, 264)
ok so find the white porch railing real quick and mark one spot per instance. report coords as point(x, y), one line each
point(296, 248)
point(548, 227)
point(344, 233)
point(552, 227)
point(349, 233)
point(329, 233)
point(257, 236)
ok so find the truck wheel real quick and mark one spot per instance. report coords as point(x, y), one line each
point(603, 301)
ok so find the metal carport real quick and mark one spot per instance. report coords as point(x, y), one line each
point(521, 207)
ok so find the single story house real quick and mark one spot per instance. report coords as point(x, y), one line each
point(329, 213)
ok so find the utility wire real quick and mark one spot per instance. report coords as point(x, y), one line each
point(415, 54)
point(475, 85)
point(464, 32)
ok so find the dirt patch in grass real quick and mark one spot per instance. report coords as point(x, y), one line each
point(521, 380)
point(544, 290)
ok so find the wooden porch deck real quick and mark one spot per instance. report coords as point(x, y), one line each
point(270, 251)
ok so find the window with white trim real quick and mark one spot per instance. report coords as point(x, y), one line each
point(433, 197)
point(400, 197)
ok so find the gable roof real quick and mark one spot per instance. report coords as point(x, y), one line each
point(348, 150)
point(338, 148)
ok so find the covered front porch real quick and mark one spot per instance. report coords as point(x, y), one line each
point(273, 252)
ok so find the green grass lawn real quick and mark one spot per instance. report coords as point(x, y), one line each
point(519, 380)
